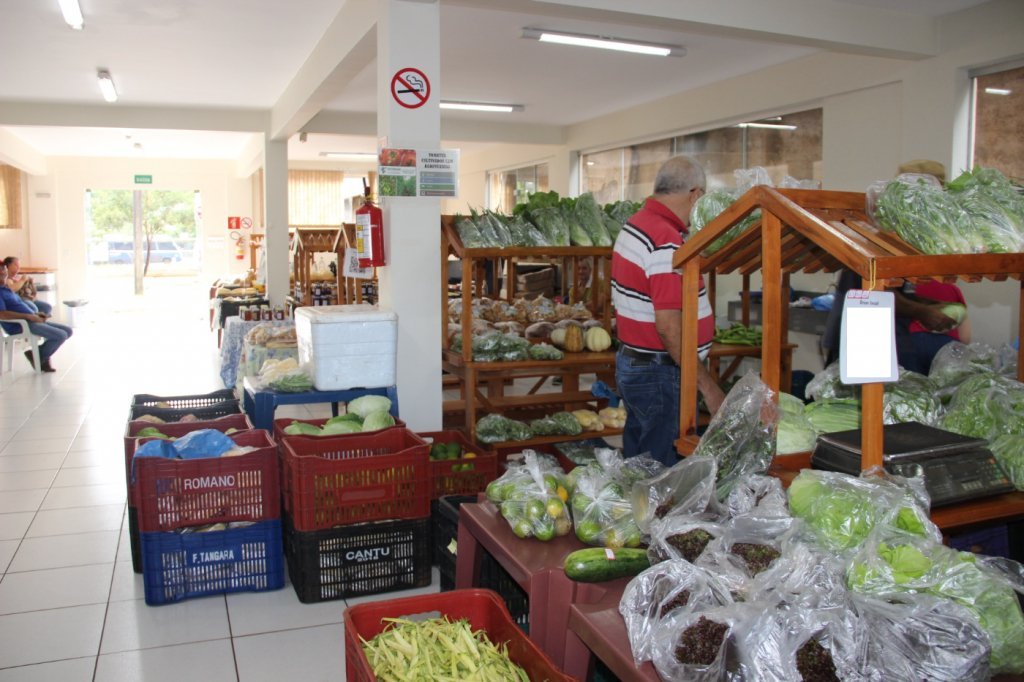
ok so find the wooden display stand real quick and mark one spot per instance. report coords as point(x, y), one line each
point(255, 244)
point(483, 383)
point(308, 241)
point(812, 231)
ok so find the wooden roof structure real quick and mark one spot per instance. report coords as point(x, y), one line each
point(812, 231)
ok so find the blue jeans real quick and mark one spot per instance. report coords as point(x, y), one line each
point(926, 346)
point(55, 334)
point(651, 394)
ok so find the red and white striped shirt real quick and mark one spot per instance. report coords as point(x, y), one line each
point(643, 279)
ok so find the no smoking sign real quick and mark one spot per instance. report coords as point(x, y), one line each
point(410, 88)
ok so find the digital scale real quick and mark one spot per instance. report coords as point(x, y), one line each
point(956, 468)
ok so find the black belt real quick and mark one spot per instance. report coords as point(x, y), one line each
point(646, 357)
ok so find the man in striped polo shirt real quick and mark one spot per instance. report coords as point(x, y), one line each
point(647, 294)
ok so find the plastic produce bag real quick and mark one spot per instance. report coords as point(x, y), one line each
point(921, 637)
point(692, 645)
point(893, 563)
point(747, 549)
point(670, 588)
point(757, 496)
point(986, 406)
point(840, 510)
point(826, 384)
point(686, 488)
point(557, 424)
point(285, 376)
point(913, 398)
point(682, 537)
point(795, 433)
point(994, 206)
point(533, 500)
point(1009, 452)
point(494, 428)
point(601, 509)
point(550, 222)
point(588, 215)
point(782, 645)
point(470, 233)
point(804, 576)
point(833, 414)
point(917, 209)
point(741, 435)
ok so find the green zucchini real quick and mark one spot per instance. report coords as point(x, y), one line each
point(597, 564)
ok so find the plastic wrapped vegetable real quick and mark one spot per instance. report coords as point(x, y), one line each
point(544, 351)
point(550, 222)
point(1009, 452)
point(833, 414)
point(986, 406)
point(795, 432)
point(557, 424)
point(840, 510)
point(918, 210)
point(682, 537)
point(748, 555)
point(495, 428)
point(588, 216)
point(994, 206)
point(826, 384)
point(758, 496)
point(686, 488)
point(922, 637)
point(741, 435)
point(525, 233)
point(669, 588)
point(601, 509)
point(470, 233)
point(893, 563)
point(533, 500)
point(911, 399)
point(691, 645)
point(285, 376)
point(708, 207)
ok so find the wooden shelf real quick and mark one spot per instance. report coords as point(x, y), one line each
point(812, 231)
point(547, 440)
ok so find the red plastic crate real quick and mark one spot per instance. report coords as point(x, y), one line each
point(174, 493)
point(502, 455)
point(447, 476)
point(334, 480)
point(175, 429)
point(281, 424)
point(482, 608)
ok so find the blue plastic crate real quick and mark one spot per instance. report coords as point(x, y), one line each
point(182, 565)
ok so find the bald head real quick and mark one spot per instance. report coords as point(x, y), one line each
point(679, 175)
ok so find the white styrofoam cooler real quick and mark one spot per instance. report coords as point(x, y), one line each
point(347, 346)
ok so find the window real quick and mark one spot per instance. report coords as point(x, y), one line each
point(998, 121)
point(507, 188)
point(10, 197)
point(783, 145)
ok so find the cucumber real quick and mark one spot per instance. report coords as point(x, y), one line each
point(597, 564)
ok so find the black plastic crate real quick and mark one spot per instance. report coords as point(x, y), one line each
point(990, 541)
point(358, 559)
point(492, 575)
point(172, 414)
point(174, 401)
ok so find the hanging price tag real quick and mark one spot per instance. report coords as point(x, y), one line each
point(867, 346)
point(351, 267)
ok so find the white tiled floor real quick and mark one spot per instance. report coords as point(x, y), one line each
point(70, 606)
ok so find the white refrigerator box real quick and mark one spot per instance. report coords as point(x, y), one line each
point(347, 346)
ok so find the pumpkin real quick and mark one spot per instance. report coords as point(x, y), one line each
point(558, 337)
point(597, 339)
point(574, 342)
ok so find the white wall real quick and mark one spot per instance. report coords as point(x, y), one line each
point(58, 220)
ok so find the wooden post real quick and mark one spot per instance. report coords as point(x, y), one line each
point(871, 431)
point(688, 353)
point(772, 315)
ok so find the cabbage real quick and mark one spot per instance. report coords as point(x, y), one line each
point(341, 427)
point(914, 398)
point(986, 406)
point(795, 434)
point(955, 311)
point(151, 432)
point(349, 417)
point(378, 420)
point(834, 414)
point(302, 429)
point(367, 404)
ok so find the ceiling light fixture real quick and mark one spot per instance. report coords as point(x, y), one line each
point(482, 106)
point(998, 91)
point(773, 126)
point(604, 42)
point(107, 85)
point(349, 156)
point(72, 14)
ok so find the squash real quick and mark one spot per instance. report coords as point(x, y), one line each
point(558, 337)
point(597, 340)
point(574, 342)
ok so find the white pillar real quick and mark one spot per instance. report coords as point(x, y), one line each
point(275, 199)
point(409, 35)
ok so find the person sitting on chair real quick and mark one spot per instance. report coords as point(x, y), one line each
point(12, 307)
point(24, 286)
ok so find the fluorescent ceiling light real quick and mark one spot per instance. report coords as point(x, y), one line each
point(604, 42)
point(72, 14)
point(482, 106)
point(998, 91)
point(107, 85)
point(773, 126)
point(351, 156)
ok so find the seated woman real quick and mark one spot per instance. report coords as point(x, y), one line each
point(24, 286)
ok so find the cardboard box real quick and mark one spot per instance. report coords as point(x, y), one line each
point(348, 346)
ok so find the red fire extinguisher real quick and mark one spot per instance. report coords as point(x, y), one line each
point(369, 233)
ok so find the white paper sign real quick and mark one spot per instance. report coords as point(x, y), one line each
point(867, 345)
point(351, 267)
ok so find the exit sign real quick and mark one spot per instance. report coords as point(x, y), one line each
point(143, 179)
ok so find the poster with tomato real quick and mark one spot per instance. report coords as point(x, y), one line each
point(397, 172)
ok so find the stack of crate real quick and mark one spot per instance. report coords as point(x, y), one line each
point(210, 525)
point(217, 410)
point(357, 513)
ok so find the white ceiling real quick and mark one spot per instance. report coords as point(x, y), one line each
point(183, 60)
